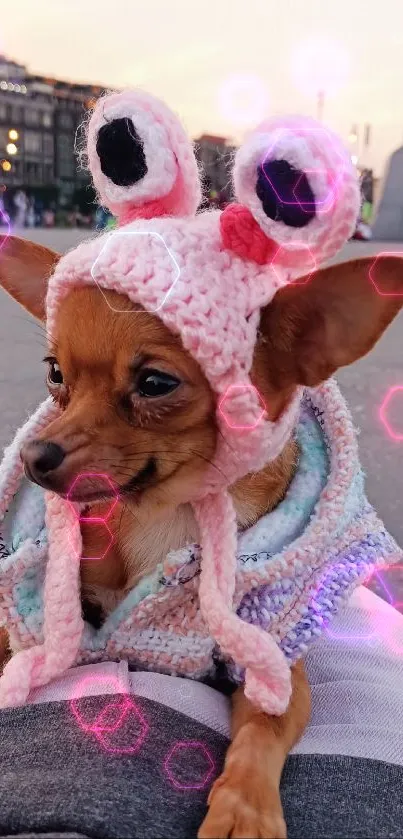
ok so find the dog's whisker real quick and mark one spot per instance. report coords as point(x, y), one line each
point(123, 468)
point(36, 325)
point(207, 460)
point(130, 511)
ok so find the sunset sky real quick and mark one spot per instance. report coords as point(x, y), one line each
point(223, 63)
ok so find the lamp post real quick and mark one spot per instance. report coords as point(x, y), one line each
point(353, 139)
point(320, 67)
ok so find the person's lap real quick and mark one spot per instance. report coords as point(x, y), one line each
point(140, 764)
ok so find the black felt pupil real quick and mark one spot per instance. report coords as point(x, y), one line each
point(285, 193)
point(152, 383)
point(121, 153)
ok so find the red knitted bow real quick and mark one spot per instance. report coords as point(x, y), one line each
point(241, 234)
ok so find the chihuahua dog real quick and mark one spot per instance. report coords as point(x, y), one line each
point(136, 406)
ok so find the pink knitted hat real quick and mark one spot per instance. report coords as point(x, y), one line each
point(207, 277)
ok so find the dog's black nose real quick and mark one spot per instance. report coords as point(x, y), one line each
point(40, 458)
point(121, 153)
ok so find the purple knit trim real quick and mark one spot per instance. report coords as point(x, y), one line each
point(342, 573)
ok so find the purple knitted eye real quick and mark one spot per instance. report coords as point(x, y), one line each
point(121, 152)
point(285, 193)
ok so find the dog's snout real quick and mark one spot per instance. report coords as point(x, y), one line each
point(41, 458)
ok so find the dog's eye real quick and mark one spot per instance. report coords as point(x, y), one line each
point(152, 383)
point(55, 376)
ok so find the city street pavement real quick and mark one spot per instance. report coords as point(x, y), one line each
point(365, 385)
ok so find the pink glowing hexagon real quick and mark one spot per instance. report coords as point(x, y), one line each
point(228, 396)
point(305, 206)
point(379, 574)
point(278, 261)
point(195, 746)
point(110, 540)
point(5, 219)
point(173, 261)
point(326, 204)
point(109, 719)
point(384, 621)
point(395, 392)
point(112, 717)
point(86, 688)
point(333, 177)
point(372, 274)
point(135, 740)
point(110, 486)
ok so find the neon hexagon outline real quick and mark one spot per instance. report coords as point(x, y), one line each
point(187, 745)
point(379, 631)
point(98, 728)
point(378, 574)
point(6, 220)
point(136, 233)
point(372, 268)
point(79, 694)
point(286, 130)
point(309, 204)
point(295, 246)
point(243, 386)
point(397, 437)
point(114, 500)
point(108, 547)
point(102, 733)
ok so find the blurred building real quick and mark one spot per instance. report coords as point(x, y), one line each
point(215, 155)
point(39, 119)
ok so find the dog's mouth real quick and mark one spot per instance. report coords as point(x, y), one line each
point(111, 489)
point(90, 486)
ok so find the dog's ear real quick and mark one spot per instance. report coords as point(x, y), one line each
point(24, 272)
point(311, 329)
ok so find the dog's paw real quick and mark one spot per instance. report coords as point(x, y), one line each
point(242, 809)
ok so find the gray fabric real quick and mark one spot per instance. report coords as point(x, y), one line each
point(57, 781)
point(338, 797)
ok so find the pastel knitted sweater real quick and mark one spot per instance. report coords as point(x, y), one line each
point(294, 567)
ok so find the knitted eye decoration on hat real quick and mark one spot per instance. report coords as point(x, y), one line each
point(297, 193)
point(141, 159)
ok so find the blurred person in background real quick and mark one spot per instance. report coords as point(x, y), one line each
point(48, 217)
point(20, 201)
point(103, 219)
point(4, 217)
point(30, 216)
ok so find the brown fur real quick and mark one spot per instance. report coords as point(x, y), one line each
point(306, 333)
